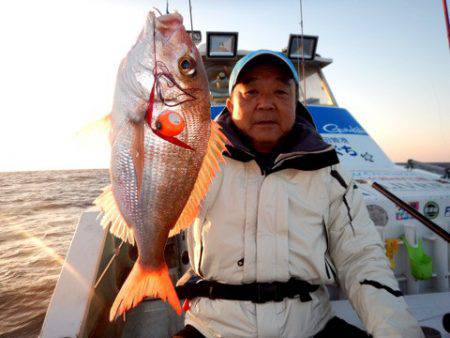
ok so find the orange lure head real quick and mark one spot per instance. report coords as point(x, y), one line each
point(170, 123)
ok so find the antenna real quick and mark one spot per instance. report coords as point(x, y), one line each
point(167, 6)
point(190, 14)
point(302, 53)
point(300, 28)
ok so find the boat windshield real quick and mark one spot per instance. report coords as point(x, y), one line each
point(317, 90)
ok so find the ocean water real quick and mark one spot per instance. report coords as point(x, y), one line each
point(38, 215)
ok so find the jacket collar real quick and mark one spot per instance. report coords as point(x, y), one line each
point(303, 148)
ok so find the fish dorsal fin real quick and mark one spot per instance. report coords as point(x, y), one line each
point(208, 169)
point(112, 215)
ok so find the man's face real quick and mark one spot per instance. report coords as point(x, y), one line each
point(262, 105)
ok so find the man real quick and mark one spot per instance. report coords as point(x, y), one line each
point(281, 220)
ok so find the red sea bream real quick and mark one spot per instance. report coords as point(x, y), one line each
point(165, 152)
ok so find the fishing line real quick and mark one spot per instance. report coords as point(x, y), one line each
point(438, 110)
point(116, 253)
point(159, 12)
point(156, 87)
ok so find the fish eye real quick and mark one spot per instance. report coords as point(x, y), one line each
point(186, 65)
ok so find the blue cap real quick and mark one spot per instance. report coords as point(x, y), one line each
point(240, 65)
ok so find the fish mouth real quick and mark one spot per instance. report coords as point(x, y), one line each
point(168, 24)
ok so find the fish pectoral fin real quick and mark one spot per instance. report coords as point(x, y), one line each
point(210, 166)
point(101, 126)
point(111, 214)
point(141, 283)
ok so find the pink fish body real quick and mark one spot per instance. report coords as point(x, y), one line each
point(165, 152)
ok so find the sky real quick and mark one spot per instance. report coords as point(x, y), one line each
point(58, 62)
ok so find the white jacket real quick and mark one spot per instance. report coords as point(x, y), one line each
point(309, 224)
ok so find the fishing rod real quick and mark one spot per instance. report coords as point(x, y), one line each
point(413, 212)
point(447, 21)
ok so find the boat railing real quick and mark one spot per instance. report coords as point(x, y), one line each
point(413, 164)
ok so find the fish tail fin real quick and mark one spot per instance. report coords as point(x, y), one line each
point(143, 282)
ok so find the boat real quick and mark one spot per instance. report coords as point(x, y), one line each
point(97, 263)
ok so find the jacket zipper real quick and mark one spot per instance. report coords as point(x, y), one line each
point(326, 268)
point(327, 264)
point(199, 268)
point(331, 269)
